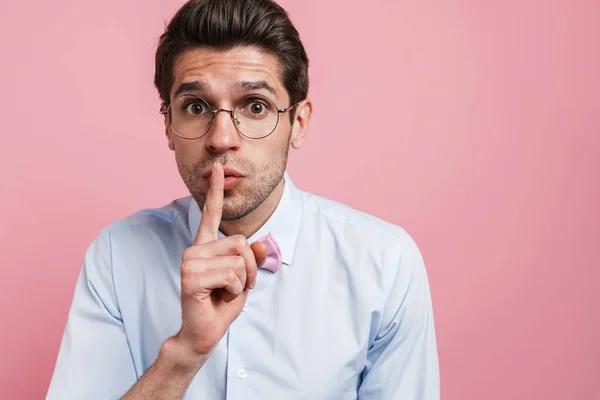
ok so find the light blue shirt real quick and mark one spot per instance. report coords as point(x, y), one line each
point(347, 316)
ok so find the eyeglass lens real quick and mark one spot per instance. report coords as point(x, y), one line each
point(191, 117)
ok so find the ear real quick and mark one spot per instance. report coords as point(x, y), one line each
point(168, 135)
point(301, 121)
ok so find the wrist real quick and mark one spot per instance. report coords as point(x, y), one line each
point(180, 356)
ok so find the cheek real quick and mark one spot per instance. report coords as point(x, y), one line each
point(273, 149)
point(187, 151)
point(272, 158)
point(283, 136)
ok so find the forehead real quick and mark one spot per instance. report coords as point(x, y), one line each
point(221, 72)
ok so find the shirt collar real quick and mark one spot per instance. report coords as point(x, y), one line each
point(283, 224)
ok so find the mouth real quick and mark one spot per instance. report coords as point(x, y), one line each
point(232, 177)
point(228, 171)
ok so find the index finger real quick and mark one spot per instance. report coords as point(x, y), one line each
point(213, 207)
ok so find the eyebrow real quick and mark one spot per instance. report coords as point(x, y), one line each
point(192, 86)
point(243, 86)
point(256, 85)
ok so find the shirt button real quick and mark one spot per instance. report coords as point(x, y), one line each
point(242, 373)
point(245, 307)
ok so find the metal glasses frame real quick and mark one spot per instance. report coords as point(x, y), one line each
point(214, 112)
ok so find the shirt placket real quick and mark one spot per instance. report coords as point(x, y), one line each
point(238, 375)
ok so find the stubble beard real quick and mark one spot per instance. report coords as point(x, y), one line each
point(241, 201)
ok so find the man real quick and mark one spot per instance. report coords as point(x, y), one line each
point(249, 288)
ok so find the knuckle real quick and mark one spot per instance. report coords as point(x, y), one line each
point(238, 262)
point(187, 285)
point(192, 267)
point(240, 242)
point(188, 254)
point(186, 269)
point(230, 276)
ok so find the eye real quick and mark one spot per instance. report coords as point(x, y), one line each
point(196, 108)
point(256, 107)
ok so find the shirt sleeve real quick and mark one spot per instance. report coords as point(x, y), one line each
point(402, 362)
point(94, 360)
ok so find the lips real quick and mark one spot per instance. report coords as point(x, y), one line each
point(229, 173)
point(231, 182)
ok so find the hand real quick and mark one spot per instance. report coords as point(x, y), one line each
point(216, 276)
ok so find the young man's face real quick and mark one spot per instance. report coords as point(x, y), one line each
point(258, 163)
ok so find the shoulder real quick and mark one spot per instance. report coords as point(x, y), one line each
point(136, 241)
point(378, 252)
point(151, 220)
point(163, 215)
point(342, 218)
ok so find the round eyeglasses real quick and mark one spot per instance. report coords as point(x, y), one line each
point(254, 116)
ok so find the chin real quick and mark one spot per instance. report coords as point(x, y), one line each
point(237, 206)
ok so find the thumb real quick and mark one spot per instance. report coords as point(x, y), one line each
point(260, 253)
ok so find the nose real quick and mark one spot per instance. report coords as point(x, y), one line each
point(223, 135)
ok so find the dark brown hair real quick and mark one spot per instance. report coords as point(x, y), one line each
point(224, 24)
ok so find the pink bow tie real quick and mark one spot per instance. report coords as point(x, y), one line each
point(273, 253)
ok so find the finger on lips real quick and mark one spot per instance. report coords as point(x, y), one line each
point(206, 245)
point(213, 207)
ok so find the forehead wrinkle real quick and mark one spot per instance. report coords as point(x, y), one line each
point(192, 86)
point(195, 65)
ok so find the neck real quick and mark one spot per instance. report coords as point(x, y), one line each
point(252, 222)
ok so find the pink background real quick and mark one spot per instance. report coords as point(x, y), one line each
point(479, 119)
